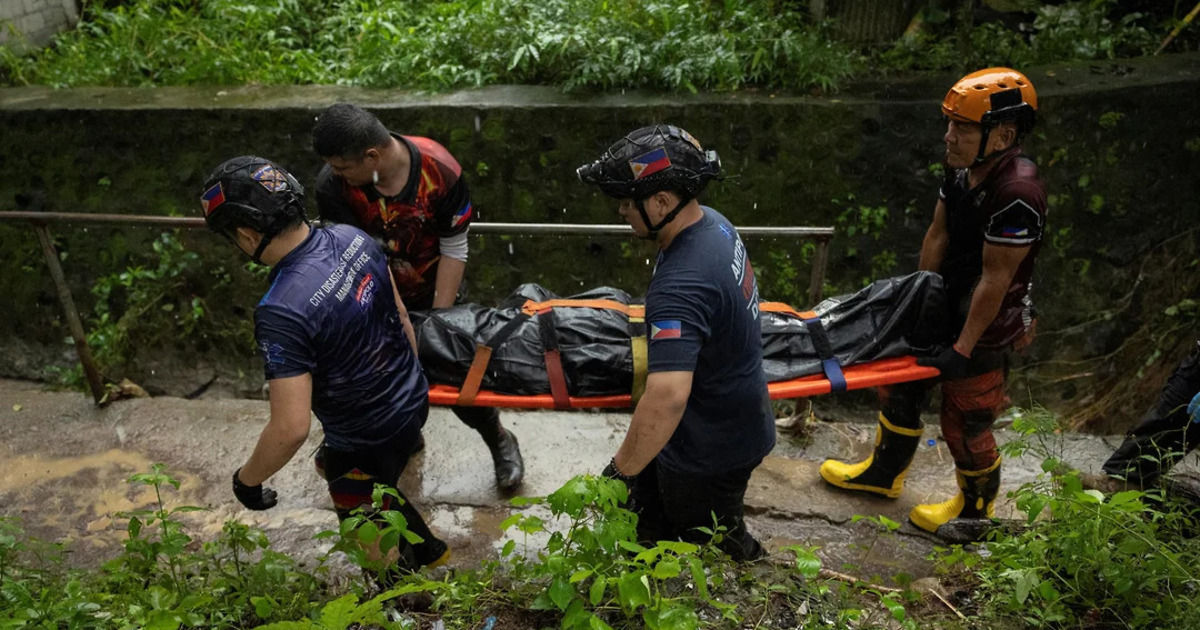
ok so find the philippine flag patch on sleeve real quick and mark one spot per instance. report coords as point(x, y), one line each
point(666, 329)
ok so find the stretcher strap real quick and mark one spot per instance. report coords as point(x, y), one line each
point(829, 362)
point(554, 368)
point(483, 355)
point(780, 307)
point(532, 307)
point(637, 343)
point(470, 386)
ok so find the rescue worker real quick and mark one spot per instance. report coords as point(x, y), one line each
point(408, 192)
point(986, 231)
point(1168, 431)
point(335, 339)
point(705, 420)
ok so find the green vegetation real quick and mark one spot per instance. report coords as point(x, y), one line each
point(1081, 559)
point(160, 299)
point(575, 44)
point(591, 575)
point(1077, 560)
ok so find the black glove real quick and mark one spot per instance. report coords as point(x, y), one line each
point(611, 472)
point(950, 362)
point(253, 497)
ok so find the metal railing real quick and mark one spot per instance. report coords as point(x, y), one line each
point(40, 220)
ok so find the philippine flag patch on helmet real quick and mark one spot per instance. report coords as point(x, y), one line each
point(650, 163)
point(212, 198)
point(666, 329)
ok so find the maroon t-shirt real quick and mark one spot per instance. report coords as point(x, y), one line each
point(1007, 209)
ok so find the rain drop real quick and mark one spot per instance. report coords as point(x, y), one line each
point(510, 248)
point(476, 123)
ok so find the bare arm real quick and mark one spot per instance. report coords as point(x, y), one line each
point(654, 420)
point(449, 278)
point(291, 407)
point(933, 248)
point(1000, 264)
point(404, 320)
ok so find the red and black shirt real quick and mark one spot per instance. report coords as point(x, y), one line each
point(434, 204)
point(1007, 209)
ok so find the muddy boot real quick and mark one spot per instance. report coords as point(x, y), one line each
point(883, 471)
point(976, 499)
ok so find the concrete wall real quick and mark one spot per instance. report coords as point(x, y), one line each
point(36, 21)
point(1118, 145)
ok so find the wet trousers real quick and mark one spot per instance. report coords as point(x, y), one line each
point(970, 406)
point(1165, 433)
point(351, 477)
point(670, 506)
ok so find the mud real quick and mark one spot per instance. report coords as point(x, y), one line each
point(65, 466)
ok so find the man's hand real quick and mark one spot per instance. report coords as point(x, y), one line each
point(253, 497)
point(612, 472)
point(950, 362)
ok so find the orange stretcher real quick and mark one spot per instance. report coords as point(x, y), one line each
point(471, 394)
point(861, 376)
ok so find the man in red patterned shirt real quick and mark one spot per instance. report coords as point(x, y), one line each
point(408, 192)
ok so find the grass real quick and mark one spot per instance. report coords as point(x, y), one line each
point(690, 45)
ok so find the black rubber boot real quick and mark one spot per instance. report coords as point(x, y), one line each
point(506, 457)
point(506, 454)
point(884, 470)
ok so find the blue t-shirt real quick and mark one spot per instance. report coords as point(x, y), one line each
point(330, 312)
point(702, 317)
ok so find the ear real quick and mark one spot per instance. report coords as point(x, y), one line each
point(1004, 136)
point(372, 154)
point(250, 236)
point(665, 199)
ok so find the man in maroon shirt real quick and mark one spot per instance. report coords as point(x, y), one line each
point(408, 192)
point(986, 231)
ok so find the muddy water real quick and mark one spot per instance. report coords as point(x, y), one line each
point(64, 465)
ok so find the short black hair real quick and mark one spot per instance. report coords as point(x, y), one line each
point(346, 131)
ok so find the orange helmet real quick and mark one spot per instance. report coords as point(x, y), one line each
point(991, 96)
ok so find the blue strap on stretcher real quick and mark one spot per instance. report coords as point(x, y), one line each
point(829, 362)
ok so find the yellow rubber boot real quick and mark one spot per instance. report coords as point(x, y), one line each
point(976, 498)
point(884, 470)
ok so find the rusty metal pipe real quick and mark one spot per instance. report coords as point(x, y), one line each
point(72, 315)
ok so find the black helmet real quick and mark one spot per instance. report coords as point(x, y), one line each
point(652, 159)
point(252, 192)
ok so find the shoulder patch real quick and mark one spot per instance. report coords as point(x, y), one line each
point(666, 329)
point(1017, 223)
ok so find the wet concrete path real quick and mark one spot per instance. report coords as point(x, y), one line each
point(63, 466)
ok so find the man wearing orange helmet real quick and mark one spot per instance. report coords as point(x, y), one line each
point(986, 231)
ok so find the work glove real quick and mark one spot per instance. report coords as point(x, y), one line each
point(950, 362)
point(611, 472)
point(1193, 409)
point(253, 497)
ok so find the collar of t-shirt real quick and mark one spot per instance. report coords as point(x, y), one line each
point(414, 175)
point(1002, 162)
point(296, 252)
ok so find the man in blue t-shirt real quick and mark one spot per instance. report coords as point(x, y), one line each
point(705, 420)
point(335, 339)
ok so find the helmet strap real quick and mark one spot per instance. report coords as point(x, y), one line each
point(654, 229)
point(262, 245)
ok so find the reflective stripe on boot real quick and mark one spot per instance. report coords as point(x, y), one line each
point(884, 470)
point(976, 498)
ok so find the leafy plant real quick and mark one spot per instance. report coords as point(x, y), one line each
point(1084, 559)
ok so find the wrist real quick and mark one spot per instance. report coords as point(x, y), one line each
point(959, 348)
point(616, 471)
